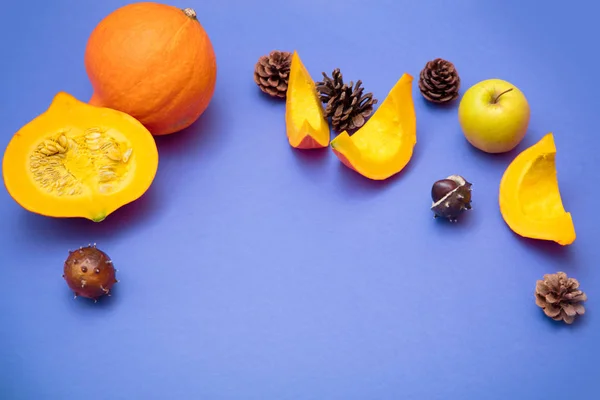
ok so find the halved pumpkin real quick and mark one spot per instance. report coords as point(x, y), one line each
point(384, 145)
point(79, 160)
point(530, 200)
point(306, 126)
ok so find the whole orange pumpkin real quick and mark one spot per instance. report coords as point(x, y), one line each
point(154, 62)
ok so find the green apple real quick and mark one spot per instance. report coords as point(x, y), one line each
point(494, 115)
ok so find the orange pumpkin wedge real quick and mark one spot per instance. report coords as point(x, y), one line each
point(529, 196)
point(383, 146)
point(78, 160)
point(306, 126)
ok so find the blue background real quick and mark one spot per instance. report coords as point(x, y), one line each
point(254, 271)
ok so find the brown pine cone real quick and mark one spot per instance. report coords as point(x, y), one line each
point(271, 73)
point(560, 297)
point(439, 81)
point(330, 88)
point(346, 104)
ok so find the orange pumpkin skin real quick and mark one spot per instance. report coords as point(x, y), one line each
point(154, 62)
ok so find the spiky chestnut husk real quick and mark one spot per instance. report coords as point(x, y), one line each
point(89, 272)
point(451, 197)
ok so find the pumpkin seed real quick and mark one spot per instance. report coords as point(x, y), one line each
point(63, 142)
point(107, 145)
point(93, 135)
point(106, 176)
point(93, 129)
point(114, 154)
point(127, 155)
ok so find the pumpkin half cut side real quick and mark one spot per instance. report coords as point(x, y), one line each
point(529, 195)
point(384, 145)
point(78, 160)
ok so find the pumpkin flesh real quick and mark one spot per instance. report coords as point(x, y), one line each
point(529, 195)
point(306, 126)
point(78, 160)
point(383, 146)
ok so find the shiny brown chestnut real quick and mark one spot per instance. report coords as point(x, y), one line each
point(441, 188)
point(450, 197)
point(89, 272)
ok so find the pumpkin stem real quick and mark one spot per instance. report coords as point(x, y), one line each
point(190, 12)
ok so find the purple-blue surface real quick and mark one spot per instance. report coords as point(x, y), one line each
point(253, 271)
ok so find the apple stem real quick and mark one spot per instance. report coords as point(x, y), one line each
point(497, 97)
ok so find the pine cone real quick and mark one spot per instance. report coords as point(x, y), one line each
point(439, 81)
point(330, 88)
point(347, 106)
point(560, 297)
point(271, 73)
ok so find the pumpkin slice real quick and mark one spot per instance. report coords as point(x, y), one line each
point(78, 160)
point(384, 144)
point(530, 200)
point(305, 122)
